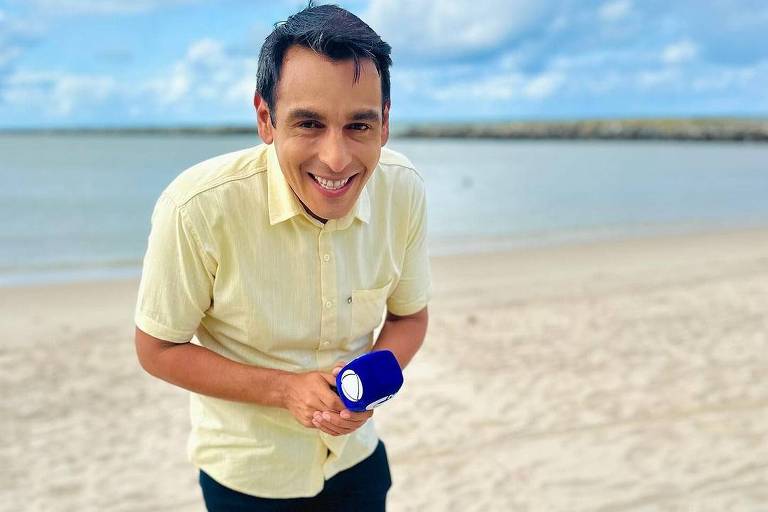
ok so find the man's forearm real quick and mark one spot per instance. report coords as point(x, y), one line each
point(203, 371)
point(403, 335)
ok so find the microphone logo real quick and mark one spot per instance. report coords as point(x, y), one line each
point(351, 385)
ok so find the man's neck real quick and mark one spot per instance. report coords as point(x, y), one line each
point(312, 214)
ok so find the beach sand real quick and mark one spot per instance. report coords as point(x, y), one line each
point(622, 375)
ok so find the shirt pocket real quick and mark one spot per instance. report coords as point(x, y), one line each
point(368, 308)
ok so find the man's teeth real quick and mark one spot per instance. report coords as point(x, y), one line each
point(330, 184)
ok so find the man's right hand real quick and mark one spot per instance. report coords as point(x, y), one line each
point(305, 393)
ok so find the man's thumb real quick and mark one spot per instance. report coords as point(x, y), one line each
point(329, 378)
point(338, 367)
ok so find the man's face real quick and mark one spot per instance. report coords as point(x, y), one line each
point(329, 129)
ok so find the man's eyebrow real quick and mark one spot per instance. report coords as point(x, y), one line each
point(360, 115)
point(304, 113)
point(366, 115)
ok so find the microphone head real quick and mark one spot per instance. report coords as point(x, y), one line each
point(369, 380)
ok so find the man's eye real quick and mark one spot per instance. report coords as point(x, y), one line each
point(309, 124)
point(360, 126)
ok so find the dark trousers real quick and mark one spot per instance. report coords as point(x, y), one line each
point(362, 487)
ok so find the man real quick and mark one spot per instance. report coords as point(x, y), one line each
point(282, 259)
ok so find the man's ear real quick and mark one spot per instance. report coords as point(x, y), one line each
point(264, 119)
point(385, 124)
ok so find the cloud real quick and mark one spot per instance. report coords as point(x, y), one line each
point(101, 7)
point(16, 36)
point(207, 72)
point(207, 76)
point(55, 92)
point(725, 79)
point(543, 86)
point(449, 29)
point(679, 52)
point(493, 87)
point(615, 10)
point(609, 81)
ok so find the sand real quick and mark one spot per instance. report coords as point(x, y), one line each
point(622, 375)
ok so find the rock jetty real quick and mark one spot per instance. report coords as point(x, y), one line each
point(613, 129)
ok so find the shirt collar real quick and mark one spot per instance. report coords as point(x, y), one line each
point(283, 203)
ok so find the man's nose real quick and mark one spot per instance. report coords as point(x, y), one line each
point(334, 152)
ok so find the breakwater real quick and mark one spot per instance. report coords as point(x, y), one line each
point(613, 129)
point(701, 129)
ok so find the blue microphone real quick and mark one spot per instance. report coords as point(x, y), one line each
point(369, 380)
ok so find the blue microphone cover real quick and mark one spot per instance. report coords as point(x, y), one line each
point(369, 380)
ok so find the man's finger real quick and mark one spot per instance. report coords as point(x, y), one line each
point(356, 416)
point(328, 427)
point(339, 422)
point(337, 368)
point(322, 428)
point(329, 378)
point(330, 399)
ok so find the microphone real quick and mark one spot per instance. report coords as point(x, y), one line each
point(369, 380)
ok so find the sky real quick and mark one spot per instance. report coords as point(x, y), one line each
point(108, 63)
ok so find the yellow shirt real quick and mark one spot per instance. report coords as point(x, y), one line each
point(234, 259)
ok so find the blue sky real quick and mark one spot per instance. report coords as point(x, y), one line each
point(193, 62)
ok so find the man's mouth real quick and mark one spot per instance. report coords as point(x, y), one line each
point(334, 186)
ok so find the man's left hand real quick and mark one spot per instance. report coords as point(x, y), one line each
point(340, 423)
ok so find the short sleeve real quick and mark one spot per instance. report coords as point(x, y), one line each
point(177, 277)
point(414, 288)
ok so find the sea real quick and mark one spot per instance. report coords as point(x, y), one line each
point(77, 206)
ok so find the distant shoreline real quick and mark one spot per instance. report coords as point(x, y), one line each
point(694, 129)
point(741, 130)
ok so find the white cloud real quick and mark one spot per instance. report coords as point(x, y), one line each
point(206, 50)
point(679, 52)
point(55, 92)
point(499, 87)
point(68, 7)
point(451, 28)
point(615, 10)
point(16, 35)
point(723, 79)
point(608, 58)
point(658, 77)
point(207, 76)
point(207, 72)
point(543, 85)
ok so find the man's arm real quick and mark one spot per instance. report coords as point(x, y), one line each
point(403, 335)
point(203, 371)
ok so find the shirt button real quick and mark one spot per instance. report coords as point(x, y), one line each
point(326, 257)
point(329, 304)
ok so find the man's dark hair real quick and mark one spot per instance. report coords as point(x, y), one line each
point(330, 31)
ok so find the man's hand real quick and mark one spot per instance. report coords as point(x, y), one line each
point(342, 421)
point(305, 393)
point(312, 401)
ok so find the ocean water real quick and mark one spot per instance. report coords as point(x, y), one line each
point(78, 206)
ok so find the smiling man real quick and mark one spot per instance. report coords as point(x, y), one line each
point(268, 267)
